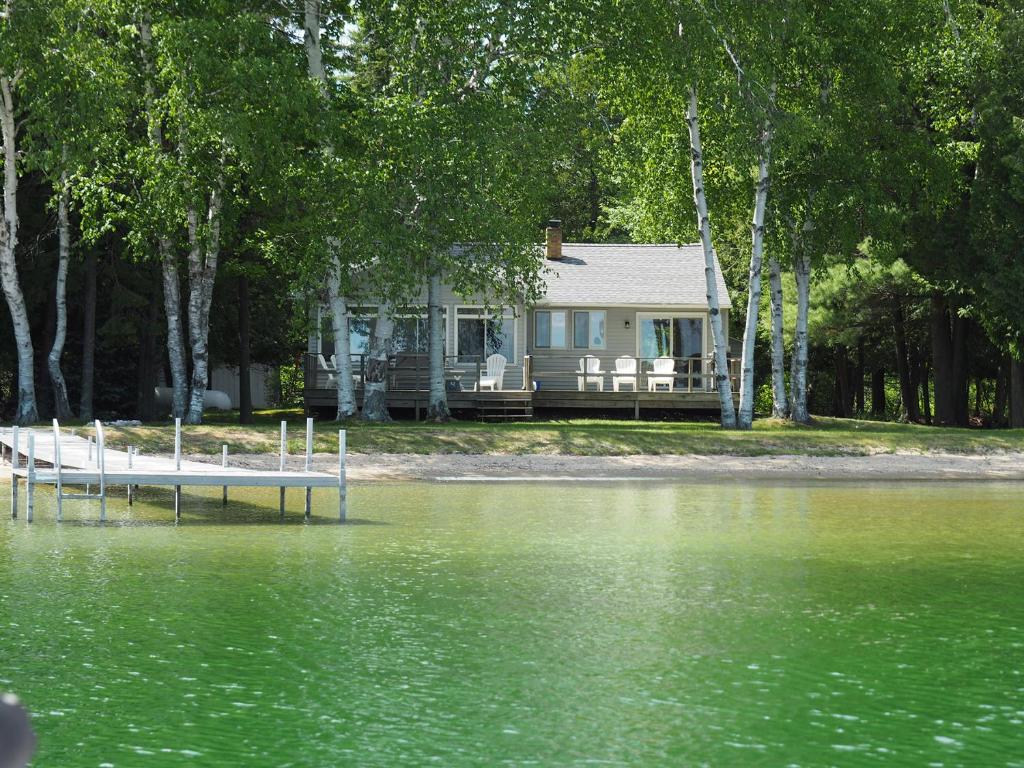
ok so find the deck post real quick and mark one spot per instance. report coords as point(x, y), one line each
point(224, 465)
point(177, 468)
point(15, 450)
point(284, 451)
point(342, 489)
point(101, 457)
point(309, 465)
point(636, 402)
point(31, 476)
point(58, 469)
point(131, 450)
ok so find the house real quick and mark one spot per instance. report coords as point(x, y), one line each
point(601, 302)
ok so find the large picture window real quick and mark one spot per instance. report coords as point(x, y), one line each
point(549, 330)
point(588, 329)
point(479, 334)
point(679, 337)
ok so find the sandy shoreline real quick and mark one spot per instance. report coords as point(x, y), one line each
point(452, 467)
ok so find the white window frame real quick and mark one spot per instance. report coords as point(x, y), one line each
point(703, 316)
point(572, 328)
point(565, 314)
point(480, 312)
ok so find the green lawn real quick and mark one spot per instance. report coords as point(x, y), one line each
point(573, 437)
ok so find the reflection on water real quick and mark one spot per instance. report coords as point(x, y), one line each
point(629, 624)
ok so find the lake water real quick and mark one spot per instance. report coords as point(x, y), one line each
point(612, 624)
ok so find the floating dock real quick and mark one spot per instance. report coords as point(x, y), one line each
point(60, 458)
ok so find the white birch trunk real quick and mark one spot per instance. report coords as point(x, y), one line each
point(165, 246)
point(780, 401)
point(28, 411)
point(62, 407)
point(202, 271)
point(745, 417)
point(438, 407)
point(798, 374)
point(342, 347)
point(704, 225)
point(375, 389)
point(339, 305)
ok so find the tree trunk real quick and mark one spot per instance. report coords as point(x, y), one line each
point(375, 390)
point(878, 392)
point(148, 358)
point(60, 389)
point(202, 271)
point(942, 362)
point(858, 380)
point(438, 407)
point(1016, 393)
point(244, 363)
point(88, 339)
point(346, 392)
point(961, 384)
point(925, 392)
point(745, 415)
point(28, 411)
point(780, 402)
point(798, 374)
point(841, 362)
point(1001, 395)
point(722, 382)
point(908, 392)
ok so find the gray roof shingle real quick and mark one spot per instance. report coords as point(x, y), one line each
point(648, 275)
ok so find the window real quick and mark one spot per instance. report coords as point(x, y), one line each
point(361, 323)
point(549, 329)
point(679, 337)
point(479, 334)
point(588, 330)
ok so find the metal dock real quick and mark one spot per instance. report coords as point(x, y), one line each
point(63, 459)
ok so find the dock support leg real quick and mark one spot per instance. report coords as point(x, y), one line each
point(31, 478)
point(177, 468)
point(58, 467)
point(309, 465)
point(177, 503)
point(224, 464)
point(342, 484)
point(15, 451)
point(131, 451)
point(284, 451)
point(101, 460)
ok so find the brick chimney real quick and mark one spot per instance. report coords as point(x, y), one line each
point(553, 240)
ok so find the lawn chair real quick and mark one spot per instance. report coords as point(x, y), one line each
point(325, 366)
point(495, 373)
point(662, 374)
point(590, 373)
point(625, 372)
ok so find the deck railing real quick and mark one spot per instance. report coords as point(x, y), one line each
point(649, 375)
point(410, 372)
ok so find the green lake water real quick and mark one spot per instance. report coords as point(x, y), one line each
point(525, 624)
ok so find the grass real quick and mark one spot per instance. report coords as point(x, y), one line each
point(590, 437)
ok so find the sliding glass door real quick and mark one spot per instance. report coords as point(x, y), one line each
point(670, 336)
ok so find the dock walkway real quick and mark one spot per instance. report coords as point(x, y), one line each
point(59, 458)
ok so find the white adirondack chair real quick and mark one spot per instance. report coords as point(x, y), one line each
point(495, 373)
point(325, 366)
point(590, 373)
point(625, 372)
point(663, 374)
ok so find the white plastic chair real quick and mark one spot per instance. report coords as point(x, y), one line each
point(495, 373)
point(625, 372)
point(664, 373)
point(590, 373)
point(325, 366)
